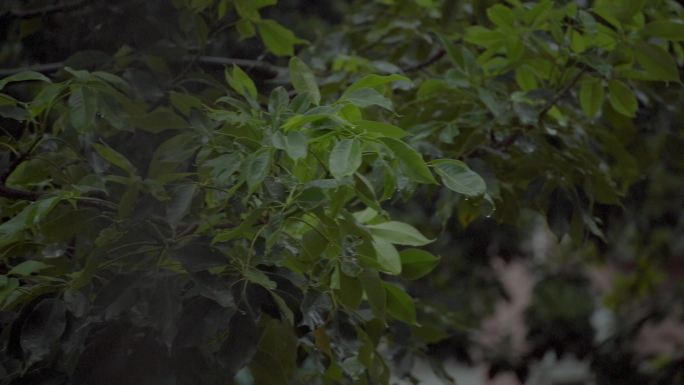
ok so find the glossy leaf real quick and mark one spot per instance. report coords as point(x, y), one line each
point(278, 39)
point(388, 257)
point(398, 233)
point(399, 304)
point(457, 176)
point(411, 161)
point(591, 96)
point(622, 98)
point(345, 158)
point(303, 80)
point(241, 82)
point(417, 263)
point(657, 62)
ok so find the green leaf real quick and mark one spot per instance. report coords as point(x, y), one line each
point(669, 30)
point(276, 357)
point(241, 82)
point(23, 77)
point(578, 43)
point(303, 80)
point(457, 176)
point(296, 145)
point(114, 157)
point(502, 16)
point(257, 168)
point(28, 267)
point(373, 81)
point(278, 39)
point(180, 203)
point(284, 309)
point(185, 102)
point(380, 130)
point(82, 108)
point(416, 263)
point(399, 304)
point(398, 233)
point(410, 160)
point(350, 292)
point(591, 96)
point(366, 97)
point(622, 98)
point(258, 277)
point(240, 229)
point(375, 293)
point(526, 77)
point(345, 158)
point(388, 257)
point(657, 62)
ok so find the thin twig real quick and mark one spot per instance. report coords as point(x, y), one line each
point(430, 61)
point(17, 161)
point(559, 95)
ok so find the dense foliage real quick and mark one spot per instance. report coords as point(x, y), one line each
point(239, 191)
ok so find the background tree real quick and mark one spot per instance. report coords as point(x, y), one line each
point(239, 191)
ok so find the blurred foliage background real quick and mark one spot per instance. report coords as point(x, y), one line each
point(569, 111)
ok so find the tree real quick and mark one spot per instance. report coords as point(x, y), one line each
point(239, 191)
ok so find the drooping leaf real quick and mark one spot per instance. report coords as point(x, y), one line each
point(657, 62)
point(375, 293)
point(666, 29)
point(114, 157)
point(258, 277)
point(23, 77)
point(398, 233)
point(591, 96)
point(42, 329)
point(388, 257)
point(180, 203)
point(373, 81)
point(345, 158)
point(28, 267)
point(82, 108)
point(256, 168)
point(417, 263)
point(457, 176)
point(411, 161)
point(241, 82)
point(366, 97)
point(303, 80)
point(380, 129)
point(278, 39)
point(399, 304)
point(622, 98)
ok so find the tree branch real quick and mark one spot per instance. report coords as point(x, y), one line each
point(12, 193)
point(212, 60)
point(241, 62)
point(44, 68)
point(29, 13)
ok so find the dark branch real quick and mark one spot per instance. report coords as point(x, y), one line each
point(29, 13)
point(241, 62)
point(44, 68)
point(12, 193)
point(211, 60)
point(432, 60)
